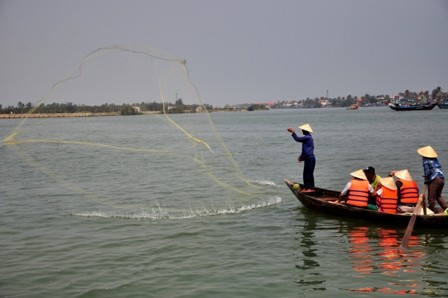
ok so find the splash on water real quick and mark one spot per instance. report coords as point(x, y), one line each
point(163, 214)
point(264, 182)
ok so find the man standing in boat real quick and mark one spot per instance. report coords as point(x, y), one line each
point(434, 178)
point(307, 155)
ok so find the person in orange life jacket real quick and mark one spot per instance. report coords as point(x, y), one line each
point(374, 180)
point(387, 196)
point(407, 188)
point(357, 191)
point(434, 178)
point(307, 155)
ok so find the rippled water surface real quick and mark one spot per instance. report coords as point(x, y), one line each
point(126, 207)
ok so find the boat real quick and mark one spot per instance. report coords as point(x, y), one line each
point(443, 104)
point(412, 106)
point(356, 105)
point(326, 201)
point(353, 107)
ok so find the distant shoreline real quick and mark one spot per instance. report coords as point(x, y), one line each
point(63, 115)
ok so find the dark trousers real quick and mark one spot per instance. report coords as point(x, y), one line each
point(308, 172)
point(435, 188)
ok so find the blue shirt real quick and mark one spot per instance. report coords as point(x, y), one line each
point(307, 145)
point(432, 169)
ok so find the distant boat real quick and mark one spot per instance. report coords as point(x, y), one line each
point(443, 104)
point(404, 106)
point(354, 106)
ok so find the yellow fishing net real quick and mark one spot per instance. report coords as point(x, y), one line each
point(154, 166)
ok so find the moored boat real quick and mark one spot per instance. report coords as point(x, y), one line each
point(443, 104)
point(412, 106)
point(326, 201)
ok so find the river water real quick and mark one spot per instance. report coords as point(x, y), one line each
point(192, 206)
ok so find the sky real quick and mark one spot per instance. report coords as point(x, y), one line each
point(237, 51)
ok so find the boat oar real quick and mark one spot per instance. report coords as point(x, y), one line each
point(408, 232)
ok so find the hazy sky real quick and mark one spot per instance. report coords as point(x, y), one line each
point(237, 51)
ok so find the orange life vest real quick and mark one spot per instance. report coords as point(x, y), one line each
point(388, 200)
point(358, 193)
point(408, 192)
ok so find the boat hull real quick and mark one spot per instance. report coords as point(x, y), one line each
point(425, 107)
point(325, 201)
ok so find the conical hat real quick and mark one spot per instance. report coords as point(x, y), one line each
point(306, 127)
point(427, 152)
point(403, 175)
point(388, 182)
point(359, 174)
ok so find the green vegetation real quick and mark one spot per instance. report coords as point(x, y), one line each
point(366, 101)
point(257, 107)
point(124, 109)
point(179, 107)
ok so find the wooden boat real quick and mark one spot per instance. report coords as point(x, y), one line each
point(412, 107)
point(443, 104)
point(326, 201)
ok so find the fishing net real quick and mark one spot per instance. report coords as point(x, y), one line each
point(165, 165)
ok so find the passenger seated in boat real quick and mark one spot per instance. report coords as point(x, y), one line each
point(372, 177)
point(357, 191)
point(407, 190)
point(387, 196)
point(374, 180)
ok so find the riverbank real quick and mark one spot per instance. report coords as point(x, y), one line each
point(63, 115)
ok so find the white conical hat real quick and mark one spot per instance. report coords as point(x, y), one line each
point(359, 174)
point(403, 175)
point(306, 127)
point(427, 152)
point(388, 182)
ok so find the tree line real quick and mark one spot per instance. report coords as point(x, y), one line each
point(123, 109)
point(179, 107)
point(437, 94)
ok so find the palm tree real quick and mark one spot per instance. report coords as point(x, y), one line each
point(436, 92)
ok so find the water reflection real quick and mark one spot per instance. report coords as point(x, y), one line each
point(376, 251)
point(308, 260)
point(336, 257)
